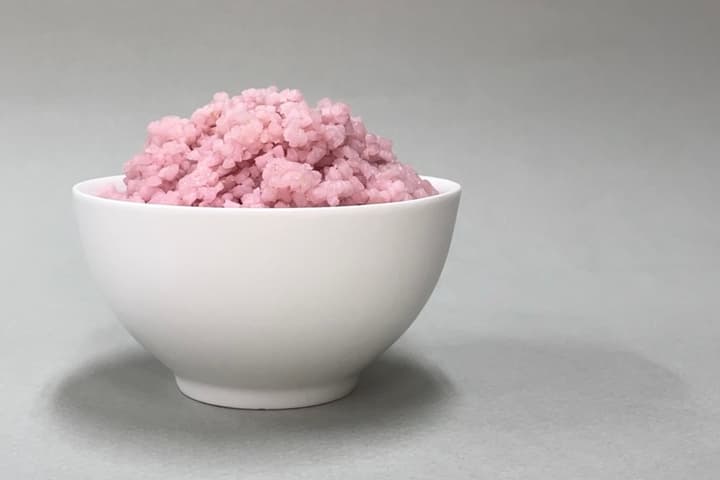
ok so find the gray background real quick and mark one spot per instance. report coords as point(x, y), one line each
point(575, 331)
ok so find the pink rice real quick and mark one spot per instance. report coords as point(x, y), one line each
point(267, 148)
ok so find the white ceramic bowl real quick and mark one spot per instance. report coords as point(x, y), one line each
point(266, 308)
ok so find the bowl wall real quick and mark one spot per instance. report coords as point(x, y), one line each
point(266, 299)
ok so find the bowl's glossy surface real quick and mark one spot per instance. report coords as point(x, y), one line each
point(266, 308)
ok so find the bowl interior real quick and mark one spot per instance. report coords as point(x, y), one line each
point(90, 188)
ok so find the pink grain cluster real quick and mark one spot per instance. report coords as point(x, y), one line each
point(267, 148)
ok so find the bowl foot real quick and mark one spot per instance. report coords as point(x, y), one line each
point(273, 399)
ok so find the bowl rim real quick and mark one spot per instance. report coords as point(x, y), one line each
point(446, 188)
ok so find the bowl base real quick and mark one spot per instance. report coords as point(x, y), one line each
point(275, 399)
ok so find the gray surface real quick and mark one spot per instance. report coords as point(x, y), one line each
point(575, 331)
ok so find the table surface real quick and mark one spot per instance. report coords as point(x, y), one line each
point(574, 333)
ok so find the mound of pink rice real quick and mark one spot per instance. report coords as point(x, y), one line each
point(267, 148)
